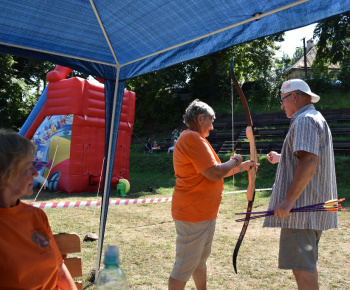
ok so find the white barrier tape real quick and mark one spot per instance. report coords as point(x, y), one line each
point(65, 204)
point(240, 191)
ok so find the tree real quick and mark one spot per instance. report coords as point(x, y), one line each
point(158, 99)
point(22, 83)
point(33, 73)
point(333, 38)
point(298, 54)
point(333, 45)
point(14, 95)
point(253, 61)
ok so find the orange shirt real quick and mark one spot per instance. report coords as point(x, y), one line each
point(195, 197)
point(29, 257)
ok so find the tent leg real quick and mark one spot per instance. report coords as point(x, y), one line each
point(110, 150)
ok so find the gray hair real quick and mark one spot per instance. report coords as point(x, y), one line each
point(302, 94)
point(196, 108)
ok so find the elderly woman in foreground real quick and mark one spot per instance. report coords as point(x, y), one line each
point(197, 195)
point(30, 258)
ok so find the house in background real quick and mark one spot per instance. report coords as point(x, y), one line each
point(297, 70)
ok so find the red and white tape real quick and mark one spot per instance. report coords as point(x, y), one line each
point(65, 204)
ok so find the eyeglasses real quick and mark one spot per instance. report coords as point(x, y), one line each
point(281, 101)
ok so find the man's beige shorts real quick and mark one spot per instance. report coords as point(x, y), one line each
point(299, 249)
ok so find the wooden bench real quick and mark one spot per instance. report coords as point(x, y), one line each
point(70, 244)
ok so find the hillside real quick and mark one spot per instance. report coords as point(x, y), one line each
point(270, 130)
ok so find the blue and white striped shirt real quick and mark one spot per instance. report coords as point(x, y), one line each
point(309, 132)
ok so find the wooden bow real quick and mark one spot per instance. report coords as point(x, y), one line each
point(251, 173)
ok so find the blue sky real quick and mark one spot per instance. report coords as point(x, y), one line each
point(293, 39)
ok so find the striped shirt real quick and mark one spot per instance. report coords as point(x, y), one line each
point(308, 132)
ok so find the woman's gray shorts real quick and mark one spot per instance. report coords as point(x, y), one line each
point(193, 247)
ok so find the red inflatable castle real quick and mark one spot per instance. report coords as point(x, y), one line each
point(68, 129)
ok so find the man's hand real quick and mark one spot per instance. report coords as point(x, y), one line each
point(305, 170)
point(283, 208)
point(273, 157)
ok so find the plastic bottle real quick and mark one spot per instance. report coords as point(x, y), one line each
point(112, 276)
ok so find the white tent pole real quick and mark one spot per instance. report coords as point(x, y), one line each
point(104, 31)
point(58, 54)
point(255, 17)
point(108, 169)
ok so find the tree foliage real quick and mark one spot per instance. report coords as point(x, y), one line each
point(156, 102)
point(333, 45)
point(33, 73)
point(13, 95)
point(333, 38)
point(22, 82)
point(298, 54)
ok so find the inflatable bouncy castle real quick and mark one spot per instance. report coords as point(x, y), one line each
point(68, 127)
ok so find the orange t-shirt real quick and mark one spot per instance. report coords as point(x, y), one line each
point(195, 197)
point(29, 257)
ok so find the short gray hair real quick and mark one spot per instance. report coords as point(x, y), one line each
point(301, 93)
point(196, 108)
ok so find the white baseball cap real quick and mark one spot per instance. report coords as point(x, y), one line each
point(297, 84)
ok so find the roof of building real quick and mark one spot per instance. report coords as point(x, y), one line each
point(310, 57)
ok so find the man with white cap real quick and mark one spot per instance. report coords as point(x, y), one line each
point(305, 176)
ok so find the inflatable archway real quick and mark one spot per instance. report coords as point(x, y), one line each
point(68, 127)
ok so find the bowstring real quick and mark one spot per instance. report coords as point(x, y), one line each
point(233, 131)
point(233, 138)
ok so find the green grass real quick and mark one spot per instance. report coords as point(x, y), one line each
point(342, 167)
point(334, 100)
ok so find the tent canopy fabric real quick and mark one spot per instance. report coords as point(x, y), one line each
point(139, 36)
point(117, 40)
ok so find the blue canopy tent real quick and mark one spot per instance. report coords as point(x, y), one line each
point(117, 40)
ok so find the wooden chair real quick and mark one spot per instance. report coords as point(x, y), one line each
point(70, 244)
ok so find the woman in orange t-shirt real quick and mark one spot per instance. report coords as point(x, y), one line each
point(197, 194)
point(30, 258)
